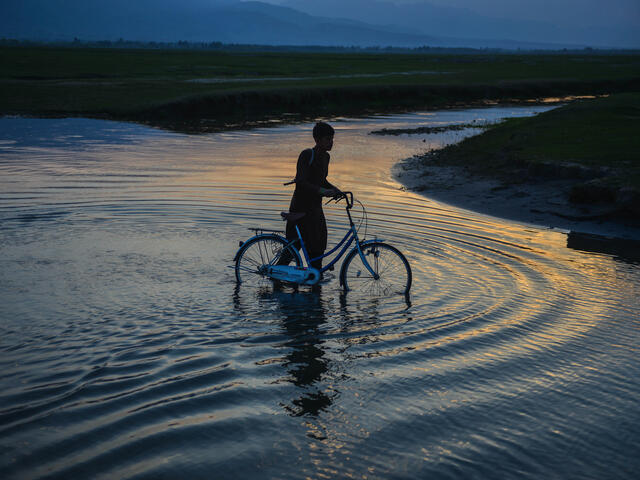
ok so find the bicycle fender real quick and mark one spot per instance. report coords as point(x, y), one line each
point(375, 240)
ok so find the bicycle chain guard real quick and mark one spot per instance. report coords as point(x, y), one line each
point(293, 274)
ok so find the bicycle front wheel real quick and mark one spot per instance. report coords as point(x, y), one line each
point(388, 263)
point(260, 252)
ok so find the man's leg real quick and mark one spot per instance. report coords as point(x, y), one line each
point(285, 258)
point(291, 234)
point(318, 262)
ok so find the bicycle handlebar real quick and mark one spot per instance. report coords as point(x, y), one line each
point(348, 196)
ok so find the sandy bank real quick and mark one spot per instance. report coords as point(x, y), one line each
point(541, 203)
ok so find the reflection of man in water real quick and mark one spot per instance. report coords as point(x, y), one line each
point(311, 186)
point(303, 319)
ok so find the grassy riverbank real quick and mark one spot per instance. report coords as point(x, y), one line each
point(217, 88)
point(592, 145)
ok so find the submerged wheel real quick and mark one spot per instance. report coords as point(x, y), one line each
point(258, 252)
point(391, 267)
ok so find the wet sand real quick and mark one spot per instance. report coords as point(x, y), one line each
point(542, 203)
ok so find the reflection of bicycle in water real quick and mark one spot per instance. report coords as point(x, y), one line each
point(371, 266)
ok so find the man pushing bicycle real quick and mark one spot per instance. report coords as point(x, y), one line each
point(312, 185)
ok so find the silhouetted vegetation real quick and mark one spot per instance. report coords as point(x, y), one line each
point(233, 47)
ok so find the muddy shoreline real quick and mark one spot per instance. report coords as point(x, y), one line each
point(573, 168)
point(249, 109)
point(195, 126)
point(266, 107)
point(542, 203)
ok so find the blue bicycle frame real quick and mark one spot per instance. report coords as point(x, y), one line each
point(348, 238)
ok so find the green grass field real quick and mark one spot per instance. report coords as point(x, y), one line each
point(195, 84)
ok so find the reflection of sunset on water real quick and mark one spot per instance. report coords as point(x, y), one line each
point(124, 329)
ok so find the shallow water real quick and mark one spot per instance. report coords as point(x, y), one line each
point(126, 350)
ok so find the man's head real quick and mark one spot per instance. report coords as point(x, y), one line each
point(323, 135)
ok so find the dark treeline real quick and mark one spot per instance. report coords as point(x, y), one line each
point(233, 47)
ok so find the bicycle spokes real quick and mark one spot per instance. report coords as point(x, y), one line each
point(391, 271)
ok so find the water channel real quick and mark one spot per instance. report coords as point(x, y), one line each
point(127, 350)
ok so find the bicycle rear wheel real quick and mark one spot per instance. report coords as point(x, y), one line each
point(389, 264)
point(259, 252)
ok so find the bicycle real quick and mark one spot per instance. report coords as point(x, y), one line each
point(371, 266)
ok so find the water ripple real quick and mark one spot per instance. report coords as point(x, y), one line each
point(127, 351)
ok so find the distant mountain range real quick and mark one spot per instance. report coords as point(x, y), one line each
point(464, 24)
point(231, 21)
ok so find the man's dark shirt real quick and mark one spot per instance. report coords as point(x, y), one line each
point(311, 176)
